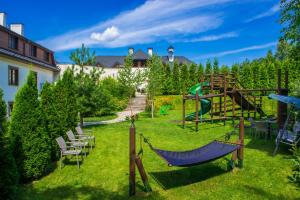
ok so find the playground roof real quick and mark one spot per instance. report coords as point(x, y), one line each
point(286, 99)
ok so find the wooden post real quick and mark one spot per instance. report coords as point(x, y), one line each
point(132, 154)
point(197, 110)
point(143, 174)
point(282, 107)
point(183, 111)
point(233, 106)
point(225, 95)
point(241, 142)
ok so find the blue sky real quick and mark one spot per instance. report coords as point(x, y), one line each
point(230, 30)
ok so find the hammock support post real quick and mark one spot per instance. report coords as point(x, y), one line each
point(240, 152)
point(132, 155)
point(134, 159)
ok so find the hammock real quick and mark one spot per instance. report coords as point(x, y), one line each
point(204, 154)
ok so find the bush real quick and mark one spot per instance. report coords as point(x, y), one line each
point(9, 175)
point(59, 109)
point(296, 166)
point(30, 141)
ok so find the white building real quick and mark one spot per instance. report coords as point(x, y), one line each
point(18, 56)
point(112, 64)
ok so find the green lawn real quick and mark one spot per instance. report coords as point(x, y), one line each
point(101, 118)
point(104, 173)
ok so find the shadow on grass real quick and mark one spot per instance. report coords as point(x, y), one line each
point(268, 146)
point(186, 176)
point(81, 192)
point(263, 193)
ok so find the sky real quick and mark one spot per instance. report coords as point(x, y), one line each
point(230, 30)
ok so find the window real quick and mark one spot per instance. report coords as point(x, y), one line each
point(13, 76)
point(46, 56)
point(33, 51)
point(13, 42)
point(10, 108)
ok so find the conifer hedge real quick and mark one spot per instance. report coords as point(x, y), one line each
point(31, 147)
point(8, 170)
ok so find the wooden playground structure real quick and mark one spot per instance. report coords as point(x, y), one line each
point(230, 100)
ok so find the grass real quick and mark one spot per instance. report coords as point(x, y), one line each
point(104, 173)
point(100, 118)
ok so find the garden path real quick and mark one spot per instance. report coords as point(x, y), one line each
point(136, 105)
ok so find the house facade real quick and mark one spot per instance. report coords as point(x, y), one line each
point(112, 64)
point(18, 56)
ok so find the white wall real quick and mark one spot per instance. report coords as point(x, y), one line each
point(107, 72)
point(10, 91)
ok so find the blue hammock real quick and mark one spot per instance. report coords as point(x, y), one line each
point(207, 153)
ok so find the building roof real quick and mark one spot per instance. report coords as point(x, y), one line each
point(114, 61)
point(6, 52)
point(179, 59)
point(140, 55)
point(3, 28)
point(110, 61)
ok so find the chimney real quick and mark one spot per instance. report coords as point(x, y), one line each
point(150, 52)
point(3, 19)
point(171, 53)
point(130, 51)
point(17, 28)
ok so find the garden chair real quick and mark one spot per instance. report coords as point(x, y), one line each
point(258, 128)
point(86, 135)
point(81, 142)
point(288, 137)
point(66, 150)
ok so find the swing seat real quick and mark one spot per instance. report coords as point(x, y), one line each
point(204, 154)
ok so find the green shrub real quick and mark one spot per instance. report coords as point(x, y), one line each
point(31, 147)
point(59, 109)
point(296, 166)
point(9, 175)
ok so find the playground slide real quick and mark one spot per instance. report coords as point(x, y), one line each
point(244, 103)
point(205, 103)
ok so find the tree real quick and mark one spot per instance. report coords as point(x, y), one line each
point(208, 67)
point(225, 69)
point(216, 69)
point(184, 78)
point(9, 174)
point(192, 75)
point(87, 97)
point(129, 78)
point(176, 78)
point(290, 20)
point(154, 77)
point(235, 69)
point(30, 141)
point(59, 109)
point(200, 72)
point(82, 57)
point(167, 80)
point(283, 50)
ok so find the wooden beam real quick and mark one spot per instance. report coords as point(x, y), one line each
point(143, 174)
point(241, 138)
point(132, 154)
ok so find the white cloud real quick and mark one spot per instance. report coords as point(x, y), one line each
point(109, 34)
point(267, 13)
point(235, 51)
point(153, 21)
point(209, 38)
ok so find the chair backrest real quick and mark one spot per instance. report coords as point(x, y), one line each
point(252, 124)
point(296, 127)
point(61, 143)
point(261, 126)
point(79, 130)
point(70, 135)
